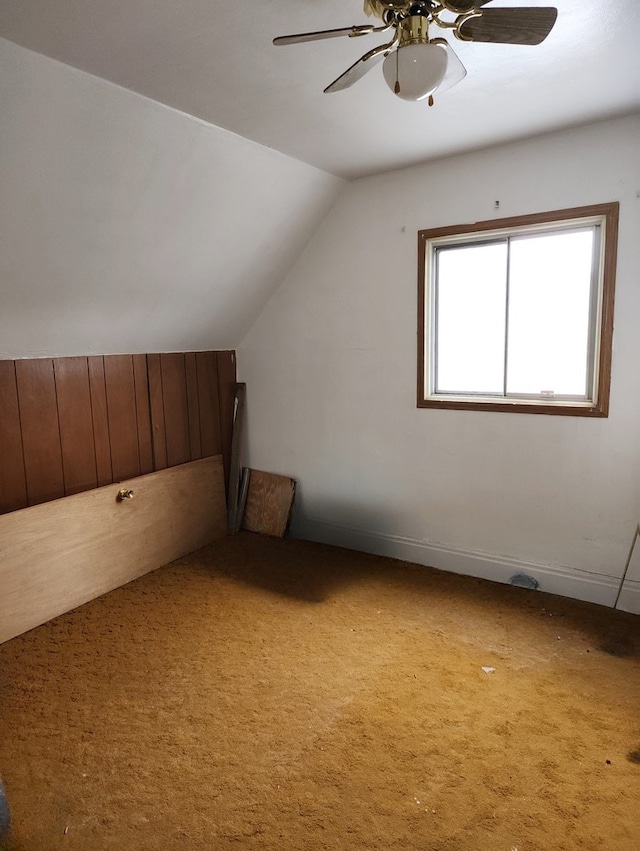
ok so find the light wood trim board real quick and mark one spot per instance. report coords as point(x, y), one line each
point(61, 554)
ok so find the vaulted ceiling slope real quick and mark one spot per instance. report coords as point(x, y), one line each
point(126, 226)
point(214, 59)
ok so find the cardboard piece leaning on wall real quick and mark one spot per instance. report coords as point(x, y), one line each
point(269, 503)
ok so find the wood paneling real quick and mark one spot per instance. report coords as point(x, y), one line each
point(40, 430)
point(193, 405)
point(238, 477)
point(121, 411)
point(159, 439)
point(95, 543)
point(13, 484)
point(207, 371)
point(143, 413)
point(71, 424)
point(102, 442)
point(76, 424)
point(227, 395)
point(176, 411)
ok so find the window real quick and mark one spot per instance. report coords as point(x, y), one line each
point(517, 314)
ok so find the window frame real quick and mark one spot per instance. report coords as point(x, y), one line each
point(601, 347)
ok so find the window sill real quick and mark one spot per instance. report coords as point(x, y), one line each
point(517, 407)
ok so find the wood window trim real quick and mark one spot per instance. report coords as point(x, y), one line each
point(600, 406)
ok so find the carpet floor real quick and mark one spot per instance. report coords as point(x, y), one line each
point(264, 695)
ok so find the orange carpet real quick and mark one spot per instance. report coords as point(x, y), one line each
point(265, 694)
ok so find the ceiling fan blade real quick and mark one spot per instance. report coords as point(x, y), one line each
point(365, 29)
point(359, 68)
point(463, 6)
point(455, 69)
point(526, 25)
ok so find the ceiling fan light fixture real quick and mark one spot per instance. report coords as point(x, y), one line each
point(414, 71)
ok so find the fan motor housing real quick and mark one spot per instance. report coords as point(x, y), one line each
point(414, 30)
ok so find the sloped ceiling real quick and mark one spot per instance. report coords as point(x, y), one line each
point(162, 212)
point(126, 226)
point(215, 60)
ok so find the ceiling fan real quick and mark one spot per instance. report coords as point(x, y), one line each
point(415, 65)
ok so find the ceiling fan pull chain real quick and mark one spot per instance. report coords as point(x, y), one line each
point(396, 88)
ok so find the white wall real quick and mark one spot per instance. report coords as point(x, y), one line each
point(126, 226)
point(331, 374)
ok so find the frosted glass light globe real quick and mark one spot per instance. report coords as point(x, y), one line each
point(417, 68)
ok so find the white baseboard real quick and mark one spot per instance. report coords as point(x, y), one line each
point(630, 597)
point(565, 581)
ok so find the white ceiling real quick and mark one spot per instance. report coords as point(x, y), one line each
point(215, 60)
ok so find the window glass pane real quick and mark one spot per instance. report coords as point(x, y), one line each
point(471, 318)
point(549, 305)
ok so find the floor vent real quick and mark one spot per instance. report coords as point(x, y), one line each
point(523, 580)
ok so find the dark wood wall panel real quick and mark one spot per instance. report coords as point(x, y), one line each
point(101, 438)
point(193, 405)
point(72, 424)
point(121, 412)
point(209, 409)
point(227, 395)
point(176, 410)
point(143, 413)
point(159, 437)
point(76, 424)
point(40, 430)
point(13, 484)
